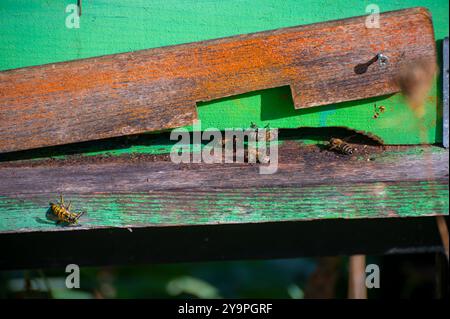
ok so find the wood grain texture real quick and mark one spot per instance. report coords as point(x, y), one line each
point(422, 164)
point(26, 212)
point(158, 88)
point(393, 184)
point(357, 277)
point(35, 34)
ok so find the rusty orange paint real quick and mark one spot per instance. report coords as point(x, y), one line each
point(157, 89)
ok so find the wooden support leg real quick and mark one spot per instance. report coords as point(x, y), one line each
point(442, 283)
point(443, 231)
point(356, 277)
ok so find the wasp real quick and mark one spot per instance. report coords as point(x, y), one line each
point(340, 146)
point(61, 213)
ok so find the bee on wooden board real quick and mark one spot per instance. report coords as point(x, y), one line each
point(340, 146)
point(378, 110)
point(61, 213)
point(268, 132)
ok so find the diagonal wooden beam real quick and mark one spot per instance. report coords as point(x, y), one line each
point(157, 89)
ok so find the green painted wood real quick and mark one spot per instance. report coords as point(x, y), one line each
point(34, 32)
point(209, 207)
point(409, 182)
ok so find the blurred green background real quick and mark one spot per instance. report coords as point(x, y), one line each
point(402, 276)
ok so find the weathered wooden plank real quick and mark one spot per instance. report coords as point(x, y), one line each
point(207, 212)
point(26, 212)
point(109, 28)
point(158, 88)
point(306, 167)
point(411, 182)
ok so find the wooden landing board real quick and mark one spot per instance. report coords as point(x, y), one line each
point(144, 211)
point(157, 89)
point(400, 182)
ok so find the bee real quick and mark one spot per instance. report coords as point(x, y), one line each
point(378, 110)
point(415, 80)
point(61, 213)
point(340, 146)
point(269, 135)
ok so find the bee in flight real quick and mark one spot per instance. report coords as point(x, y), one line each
point(340, 146)
point(61, 213)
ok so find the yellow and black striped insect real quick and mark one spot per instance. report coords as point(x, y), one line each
point(340, 146)
point(61, 213)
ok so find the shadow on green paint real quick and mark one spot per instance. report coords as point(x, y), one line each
point(277, 103)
